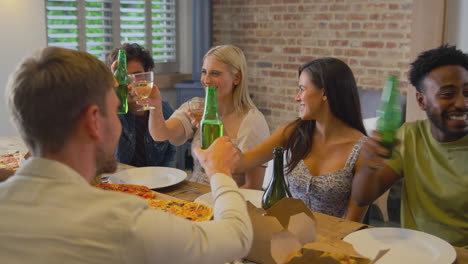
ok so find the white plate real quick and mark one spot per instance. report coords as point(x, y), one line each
point(151, 177)
point(254, 196)
point(406, 246)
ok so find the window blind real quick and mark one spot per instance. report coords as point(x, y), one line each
point(62, 23)
point(98, 15)
point(96, 26)
point(163, 19)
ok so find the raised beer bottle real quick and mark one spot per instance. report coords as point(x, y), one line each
point(389, 114)
point(121, 76)
point(211, 125)
point(277, 189)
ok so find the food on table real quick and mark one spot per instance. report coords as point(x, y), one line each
point(140, 190)
point(10, 161)
point(342, 258)
point(293, 255)
point(190, 210)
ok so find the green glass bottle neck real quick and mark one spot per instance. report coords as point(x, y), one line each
point(211, 104)
point(389, 112)
point(121, 71)
point(390, 93)
point(122, 57)
point(278, 167)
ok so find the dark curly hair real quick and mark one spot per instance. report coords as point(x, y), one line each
point(435, 58)
point(134, 52)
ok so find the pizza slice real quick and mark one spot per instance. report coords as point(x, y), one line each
point(189, 210)
point(10, 161)
point(140, 190)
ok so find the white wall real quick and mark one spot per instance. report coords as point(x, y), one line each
point(456, 30)
point(23, 30)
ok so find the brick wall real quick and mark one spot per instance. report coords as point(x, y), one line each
point(277, 36)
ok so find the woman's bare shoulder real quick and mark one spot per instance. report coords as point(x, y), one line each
point(349, 136)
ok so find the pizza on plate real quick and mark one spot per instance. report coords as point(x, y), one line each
point(140, 190)
point(10, 161)
point(189, 210)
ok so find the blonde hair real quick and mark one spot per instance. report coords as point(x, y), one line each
point(234, 57)
point(48, 92)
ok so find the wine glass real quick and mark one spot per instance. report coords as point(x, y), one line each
point(197, 106)
point(141, 84)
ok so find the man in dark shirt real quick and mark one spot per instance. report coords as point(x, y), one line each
point(136, 147)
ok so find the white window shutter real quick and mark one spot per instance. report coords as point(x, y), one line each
point(99, 25)
point(132, 22)
point(98, 14)
point(62, 23)
point(163, 16)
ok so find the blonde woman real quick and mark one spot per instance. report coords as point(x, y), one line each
point(224, 67)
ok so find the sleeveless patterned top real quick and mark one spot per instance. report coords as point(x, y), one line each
point(327, 193)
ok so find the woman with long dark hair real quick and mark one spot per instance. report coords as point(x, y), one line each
point(323, 144)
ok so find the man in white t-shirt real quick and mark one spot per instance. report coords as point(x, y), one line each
point(64, 106)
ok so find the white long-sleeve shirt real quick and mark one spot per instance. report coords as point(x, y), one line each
point(50, 214)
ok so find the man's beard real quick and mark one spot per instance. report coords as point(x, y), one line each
point(438, 121)
point(105, 163)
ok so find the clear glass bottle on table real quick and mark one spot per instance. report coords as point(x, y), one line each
point(389, 113)
point(277, 189)
point(121, 76)
point(211, 125)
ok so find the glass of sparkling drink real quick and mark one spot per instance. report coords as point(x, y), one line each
point(197, 106)
point(140, 85)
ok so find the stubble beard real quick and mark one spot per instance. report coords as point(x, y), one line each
point(105, 163)
point(437, 120)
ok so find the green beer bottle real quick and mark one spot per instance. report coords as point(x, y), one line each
point(277, 189)
point(211, 125)
point(121, 76)
point(389, 113)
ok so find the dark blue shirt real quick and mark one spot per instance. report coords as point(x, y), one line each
point(157, 153)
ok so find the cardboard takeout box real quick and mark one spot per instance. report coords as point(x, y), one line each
point(286, 233)
point(275, 220)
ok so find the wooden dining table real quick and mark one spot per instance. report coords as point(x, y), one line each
point(328, 227)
